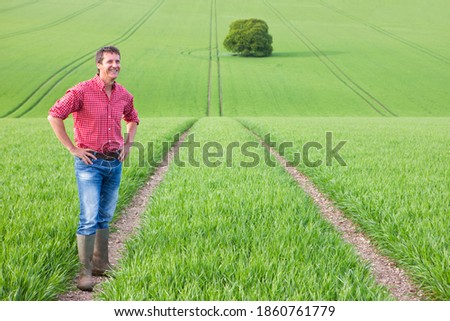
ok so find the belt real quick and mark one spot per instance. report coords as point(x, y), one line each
point(109, 156)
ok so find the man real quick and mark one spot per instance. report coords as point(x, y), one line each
point(98, 105)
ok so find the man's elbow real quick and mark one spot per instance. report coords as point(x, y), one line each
point(53, 118)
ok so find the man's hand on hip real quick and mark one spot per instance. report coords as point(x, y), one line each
point(125, 152)
point(85, 154)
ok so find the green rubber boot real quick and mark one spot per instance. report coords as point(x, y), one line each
point(85, 252)
point(100, 259)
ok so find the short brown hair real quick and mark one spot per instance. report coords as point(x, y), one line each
point(101, 51)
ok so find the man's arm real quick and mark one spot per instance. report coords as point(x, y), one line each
point(60, 131)
point(131, 132)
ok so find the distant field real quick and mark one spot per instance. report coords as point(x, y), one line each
point(374, 73)
point(157, 66)
point(330, 59)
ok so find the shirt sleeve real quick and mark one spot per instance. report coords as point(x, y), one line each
point(130, 113)
point(71, 102)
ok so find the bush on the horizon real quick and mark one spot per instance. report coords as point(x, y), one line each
point(249, 38)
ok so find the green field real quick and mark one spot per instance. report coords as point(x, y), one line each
point(375, 74)
point(395, 184)
point(230, 236)
point(329, 60)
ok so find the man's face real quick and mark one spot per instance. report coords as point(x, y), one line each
point(110, 66)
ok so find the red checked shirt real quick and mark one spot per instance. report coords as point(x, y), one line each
point(97, 118)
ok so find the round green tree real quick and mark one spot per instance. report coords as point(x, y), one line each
point(249, 37)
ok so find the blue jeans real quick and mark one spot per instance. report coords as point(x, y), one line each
point(98, 191)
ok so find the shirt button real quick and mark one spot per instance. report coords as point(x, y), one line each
point(109, 128)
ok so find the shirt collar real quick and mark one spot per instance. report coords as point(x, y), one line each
point(99, 82)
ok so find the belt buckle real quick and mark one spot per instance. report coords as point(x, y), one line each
point(103, 156)
point(112, 155)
